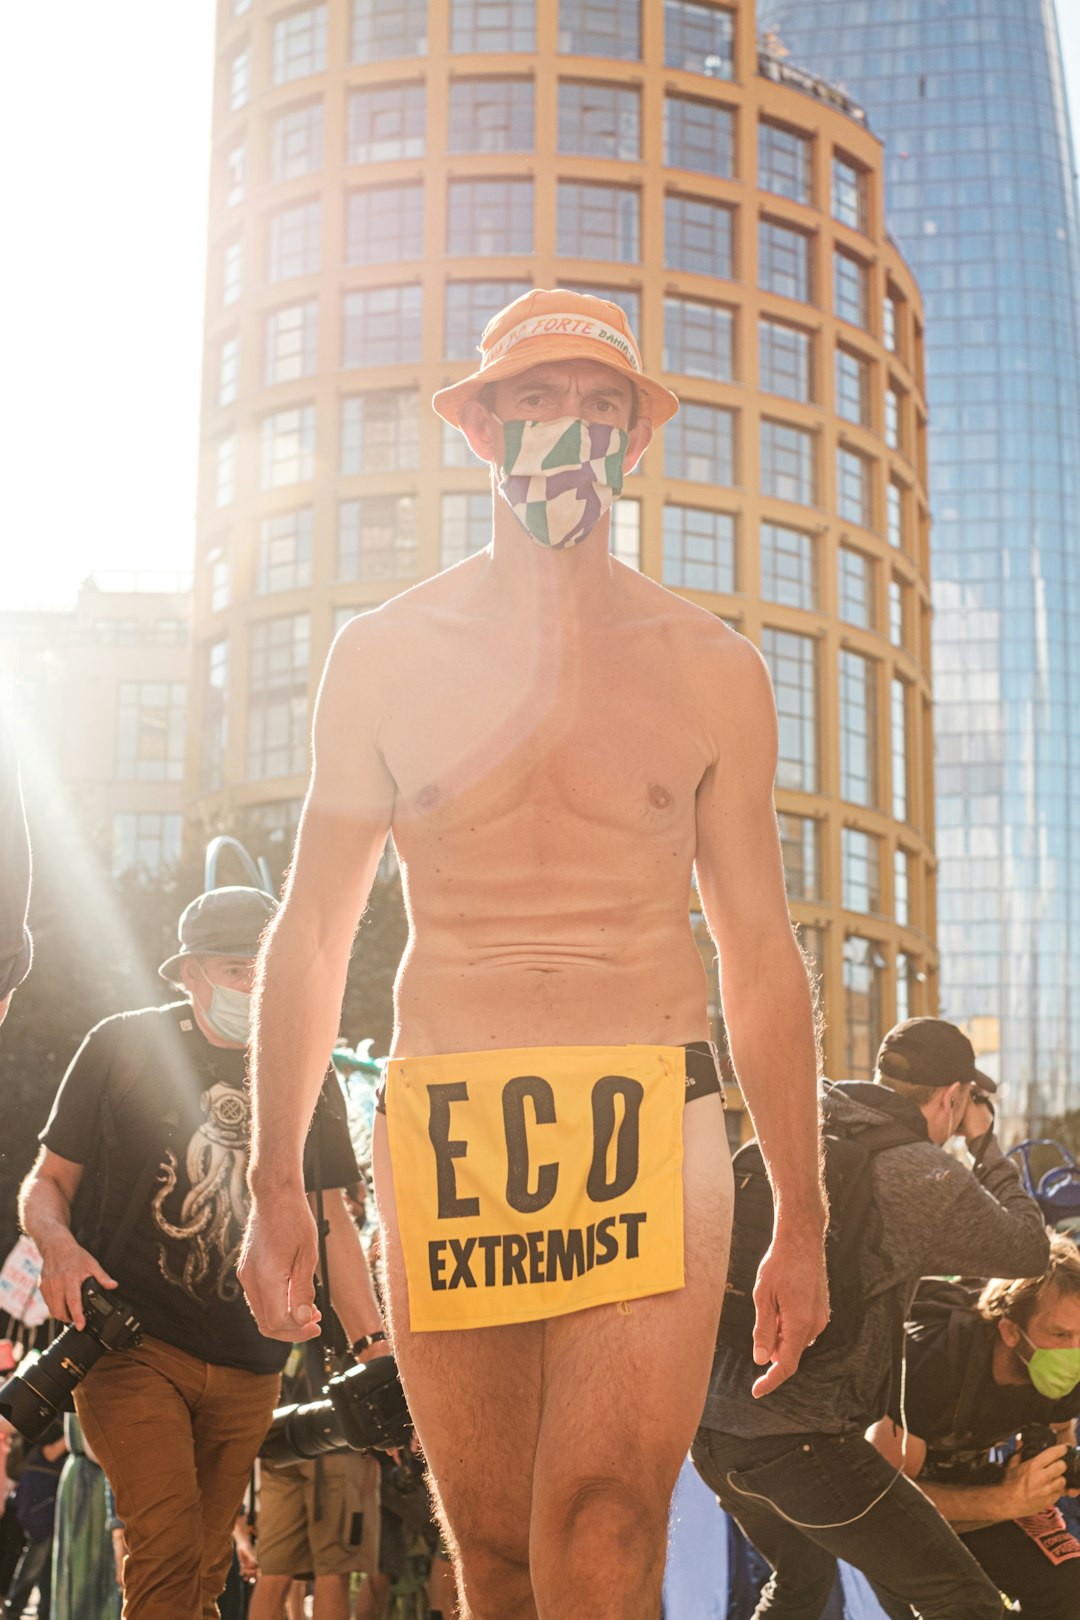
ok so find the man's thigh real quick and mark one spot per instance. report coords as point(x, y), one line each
point(1044, 1581)
point(283, 1520)
point(230, 1418)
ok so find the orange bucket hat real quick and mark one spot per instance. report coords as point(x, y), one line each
point(551, 325)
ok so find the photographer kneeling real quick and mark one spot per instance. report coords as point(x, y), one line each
point(981, 1371)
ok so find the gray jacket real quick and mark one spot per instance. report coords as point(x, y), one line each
point(939, 1219)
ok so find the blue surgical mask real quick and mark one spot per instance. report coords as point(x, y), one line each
point(229, 1012)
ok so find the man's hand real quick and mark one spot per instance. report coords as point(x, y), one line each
point(277, 1266)
point(1033, 1486)
point(65, 1266)
point(977, 1119)
point(791, 1297)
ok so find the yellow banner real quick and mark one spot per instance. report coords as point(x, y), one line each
point(538, 1181)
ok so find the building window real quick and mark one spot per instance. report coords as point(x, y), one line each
point(899, 750)
point(626, 298)
point(699, 38)
point(625, 535)
point(377, 538)
point(277, 697)
point(784, 264)
point(225, 478)
point(785, 162)
point(299, 44)
point(288, 447)
point(699, 444)
point(856, 588)
point(853, 387)
point(234, 176)
point(489, 216)
point(292, 342)
point(891, 322)
point(145, 842)
point(239, 7)
point(699, 339)
point(896, 515)
point(384, 224)
point(901, 893)
point(491, 115)
point(600, 28)
point(896, 612)
point(788, 462)
point(219, 567)
point(864, 968)
point(382, 326)
point(854, 487)
point(851, 289)
point(296, 142)
point(861, 871)
point(698, 236)
point(906, 977)
point(170, 633)
point(284, 559)
point(799, 845)
point(699, 135)
point(228, 371)
point(788, 566)
point(386, 121)
point(492, 25)
point(599, 120)
point(382, 29)
point(466, 527)
point(786, 360)
point(858, 728)
point(232, 273)
point(150, 720)
point(792, 661)
point(240, 79)
point(294, 241)
point(598, 222)
point(470, 305)
point(699, 549)
point(380, 432)
point(849, 194)
point(894, 418)
point(214, 717)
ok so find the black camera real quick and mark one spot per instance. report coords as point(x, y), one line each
point(1036, 1438)
point(33, 1399)
point(363, 1409)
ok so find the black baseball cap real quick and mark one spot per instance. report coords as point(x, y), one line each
point(930, 1052)
point(222, 922)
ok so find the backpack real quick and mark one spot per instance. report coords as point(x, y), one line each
point(949, 1307)
point(852, 1237)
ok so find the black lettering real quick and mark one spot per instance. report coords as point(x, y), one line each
point(536, 1257)
point(490, 1246)
point(590, 1247)
point(632, 1222)
point(607, 1242)
point(513, 1256)
point(539, 1092)
point(451, 1207)
point(566, 1253)
point(436, 1261)
point(599, 1189)
point(461, 1252)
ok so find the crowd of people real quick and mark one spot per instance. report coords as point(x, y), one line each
point(558, 746)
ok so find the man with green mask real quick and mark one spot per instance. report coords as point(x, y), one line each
point(979, 1371)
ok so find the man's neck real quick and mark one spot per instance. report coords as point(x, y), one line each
point(568, 585)
point(1006, 1365)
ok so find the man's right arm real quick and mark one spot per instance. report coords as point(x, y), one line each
point(45, 1201)
point(1024, 1488)
point(301, 976)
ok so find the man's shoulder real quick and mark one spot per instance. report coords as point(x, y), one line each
point(139, 1021)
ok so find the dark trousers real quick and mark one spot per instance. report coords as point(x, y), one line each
point(33, 1569)
point(1017, 1565)
point(828, 1484)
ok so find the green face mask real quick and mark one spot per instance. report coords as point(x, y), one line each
point(1054, 1373)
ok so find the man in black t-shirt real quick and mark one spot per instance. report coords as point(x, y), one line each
point(979, 1372)
point(141, 1184)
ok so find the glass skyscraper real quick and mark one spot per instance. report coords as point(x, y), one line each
point(980, 192)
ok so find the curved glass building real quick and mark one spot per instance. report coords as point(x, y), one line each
point(981, 197)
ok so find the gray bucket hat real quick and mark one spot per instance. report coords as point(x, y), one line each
point(222, 922)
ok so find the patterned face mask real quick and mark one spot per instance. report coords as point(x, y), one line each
point(560, 477)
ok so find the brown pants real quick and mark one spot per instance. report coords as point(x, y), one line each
point(176, 1437)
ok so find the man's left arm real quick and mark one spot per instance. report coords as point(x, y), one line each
point(767, 1005)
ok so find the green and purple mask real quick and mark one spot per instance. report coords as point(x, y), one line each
point(560, 477)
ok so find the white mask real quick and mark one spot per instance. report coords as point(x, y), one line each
point(229, 1012)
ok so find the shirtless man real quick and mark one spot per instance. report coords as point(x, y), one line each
point(554, 741)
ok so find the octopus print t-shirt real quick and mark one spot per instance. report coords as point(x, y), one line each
point(149, 1088)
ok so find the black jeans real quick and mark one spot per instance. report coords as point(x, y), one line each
point(33, 1569)
point(827, 1482)
point(1016, 1563)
